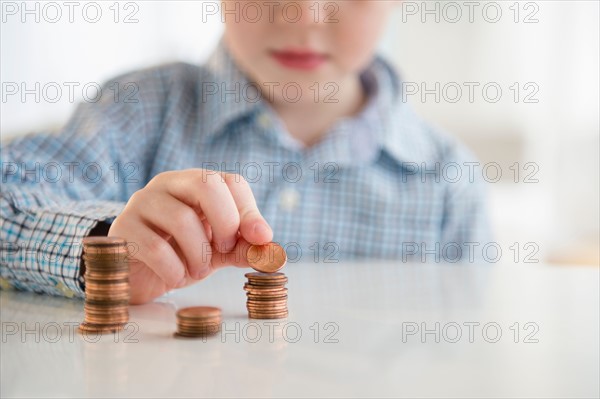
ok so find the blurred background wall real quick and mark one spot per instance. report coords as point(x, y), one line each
point(533, 68)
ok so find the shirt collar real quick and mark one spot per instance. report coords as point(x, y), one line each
point(398, 130)
point(224, 93)
point(386, 124)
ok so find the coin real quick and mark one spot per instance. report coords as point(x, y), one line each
point(265, 276)
point(198, 321)
point(267, 258)
point(107, 290)
point(86, 328)
point(267, 316)
point(266, 295)
point(196, 312)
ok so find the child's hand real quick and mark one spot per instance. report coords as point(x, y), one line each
point(184, 225)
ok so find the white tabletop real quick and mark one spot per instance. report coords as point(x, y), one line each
point(355, 321)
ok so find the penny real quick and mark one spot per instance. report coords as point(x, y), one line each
point(269, 316)
point(86, 328)
point(266, 295)
point(267, 258)
point(198, 321)
point(199, 312)
point(268, 289)
point(265, 276)
point(107, 290)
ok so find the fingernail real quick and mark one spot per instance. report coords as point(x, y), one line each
point(200, 273)
point(227, 246)
point(262, 230)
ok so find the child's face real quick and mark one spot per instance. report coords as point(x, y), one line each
point(331, 41)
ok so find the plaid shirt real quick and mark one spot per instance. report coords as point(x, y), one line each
point(377, 186)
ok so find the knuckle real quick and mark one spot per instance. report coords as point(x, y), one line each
point(230, 220)
point(235, 179)
point(160, 178)
point(182, 217)
point(135, 197)
point(156, 247)
point(210, 180)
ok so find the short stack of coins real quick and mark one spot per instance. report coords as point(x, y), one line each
point(267, 295)
point(198, 321)
point(106, 284)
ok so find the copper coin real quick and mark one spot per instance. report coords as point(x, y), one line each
point(103, 245)
point(264, 287)
point(120, 258)
point(115, 274)
point(92, 307)
point(252, 288)
point(265, 282)
point(107, 284)
point(107, 296)
point(251, 284)
point(266, 294)
point(98, 241)
point(267, 258)
point(268, 311)
point(264, 276)
point(106, 319)
point(86, 328)
point(273, 316)
point(199, 330)
point(105, 304)
point(104, 297)
point(265, 303)
point(266, 306)
point(191, 335)
point(199, 312)
point(267, 299)
point(272, 309)
point(104, 281)
point(110, 322)
point(111, 312)
point(106, 314)
point(194, 323)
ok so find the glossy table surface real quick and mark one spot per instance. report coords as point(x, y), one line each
point(354, 329)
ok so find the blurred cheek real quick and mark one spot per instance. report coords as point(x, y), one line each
point(356, 46)
point(241, 37)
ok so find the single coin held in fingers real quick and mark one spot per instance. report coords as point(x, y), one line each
point(267, 258)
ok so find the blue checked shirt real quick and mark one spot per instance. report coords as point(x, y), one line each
point(382, 184)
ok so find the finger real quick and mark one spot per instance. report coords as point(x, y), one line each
point(236, 257)
point(206, 191)
point(207, 230)
point(177, 219)
point(156, 253)
point(188, 277)
point(253, 227)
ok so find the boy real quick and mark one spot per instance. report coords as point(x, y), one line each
point(335, 163)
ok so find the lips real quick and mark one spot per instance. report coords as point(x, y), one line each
point(299, 59)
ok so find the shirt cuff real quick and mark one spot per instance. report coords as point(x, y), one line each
point(42, 243)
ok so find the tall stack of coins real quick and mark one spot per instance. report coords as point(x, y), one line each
point(198, 321)
point(267, 295)
point(266, 292)
point(106, 284)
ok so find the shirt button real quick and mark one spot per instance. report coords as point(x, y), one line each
point(264, 121)
point(64, 289)
point(5, 284)
point(289, 199)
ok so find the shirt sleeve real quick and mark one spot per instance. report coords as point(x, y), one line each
point(57, 186)
point(465, 226)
